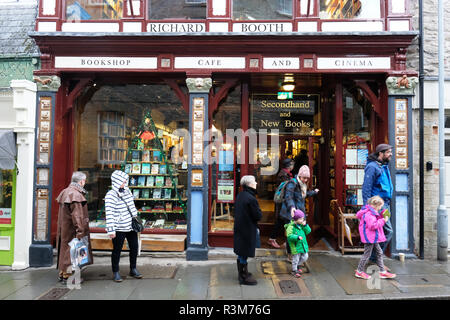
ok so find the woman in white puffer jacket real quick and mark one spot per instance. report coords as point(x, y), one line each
point(119, 208)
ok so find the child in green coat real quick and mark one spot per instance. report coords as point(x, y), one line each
point(296, 232)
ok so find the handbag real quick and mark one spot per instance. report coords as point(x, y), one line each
point(136, 223)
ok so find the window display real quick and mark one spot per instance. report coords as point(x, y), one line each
point(131, 128)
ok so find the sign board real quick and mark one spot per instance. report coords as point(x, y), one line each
point(5, 215)
point(210, 63)
point(105, 63)
point(294, 116)
point(356, 63)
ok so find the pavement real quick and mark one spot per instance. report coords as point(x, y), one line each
point(168, 276)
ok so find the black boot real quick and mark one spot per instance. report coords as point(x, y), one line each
point(244, 277)
point(117, 277)
point(237, 260)
point(135, 274)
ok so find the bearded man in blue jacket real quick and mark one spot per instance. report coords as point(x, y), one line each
point(377, 182)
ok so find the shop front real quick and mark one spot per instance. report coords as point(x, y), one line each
point(187, 115)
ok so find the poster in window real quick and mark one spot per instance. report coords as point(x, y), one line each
point(225, 177)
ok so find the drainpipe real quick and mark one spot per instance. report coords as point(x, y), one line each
point(442, 223)
point(421, 137)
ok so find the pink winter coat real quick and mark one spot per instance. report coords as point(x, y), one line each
point(370, 225)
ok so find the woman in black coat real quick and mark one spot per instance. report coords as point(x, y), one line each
point(246, 216)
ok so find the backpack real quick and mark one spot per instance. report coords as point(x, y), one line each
point(278, 197)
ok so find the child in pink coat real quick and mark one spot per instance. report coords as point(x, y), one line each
point(371, 223)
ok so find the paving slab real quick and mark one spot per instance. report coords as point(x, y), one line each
point(9, 287)
point(36, 286)
point(320, 282)
point(193, 284)
point(154, 289)
point(263, 290)
point(103, 290)
point(224, 283)
point(344, 272)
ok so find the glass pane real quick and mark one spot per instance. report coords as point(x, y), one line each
point(447, 148)
point(262, 9)
point(350, 9)
point(356, 132)
point(133, 128)
point(227, 116)
point(447, 119)
point(176, 9)
point(6, 191)
point(77, 10)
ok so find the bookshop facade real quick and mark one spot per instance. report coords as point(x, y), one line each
point(186, 115)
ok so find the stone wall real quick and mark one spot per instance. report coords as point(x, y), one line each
point(430, 20)
point(431, 117)
point(431, 179)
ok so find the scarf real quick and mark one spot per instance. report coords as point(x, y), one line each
point(303, 187)
point(78, 187)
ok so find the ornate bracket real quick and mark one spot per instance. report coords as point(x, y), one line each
point(199, 85)
point(47, 83)
point(401, 85)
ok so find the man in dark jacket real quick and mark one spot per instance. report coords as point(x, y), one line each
point(285, 174)
point(377, 182)
point(246, 216)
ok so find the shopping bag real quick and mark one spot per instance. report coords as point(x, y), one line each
point(79, 252)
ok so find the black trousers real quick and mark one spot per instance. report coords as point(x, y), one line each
point(132, 239)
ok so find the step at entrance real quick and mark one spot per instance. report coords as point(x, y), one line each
point(148, 242)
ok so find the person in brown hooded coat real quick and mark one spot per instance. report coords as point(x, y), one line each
point(73, 221)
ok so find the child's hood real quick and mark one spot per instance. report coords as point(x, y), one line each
point(365, 209)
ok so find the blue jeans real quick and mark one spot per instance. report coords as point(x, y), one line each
point(242, 259)
point(388, 233)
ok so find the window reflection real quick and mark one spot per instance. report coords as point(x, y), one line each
point(77, 10)
point(262, 9)
point(176, 9)
point(350, 9)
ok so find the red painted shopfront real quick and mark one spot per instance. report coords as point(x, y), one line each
point(341, 76)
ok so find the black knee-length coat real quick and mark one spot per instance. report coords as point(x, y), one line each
point(247, 213)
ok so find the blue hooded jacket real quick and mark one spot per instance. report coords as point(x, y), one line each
point(377, 180)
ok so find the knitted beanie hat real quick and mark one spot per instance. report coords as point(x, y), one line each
point(298, 214)
point(304, 172)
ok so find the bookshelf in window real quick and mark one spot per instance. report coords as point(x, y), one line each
point(112, 138)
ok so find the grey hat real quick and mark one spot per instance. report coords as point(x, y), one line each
point(382, 147)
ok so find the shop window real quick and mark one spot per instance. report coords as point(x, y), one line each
point(132, 128)
point(225, 168)
point(6, 195)
point(262, 9)
point(350, 9)
point(77, 10)
point(176, 9)
point(357, 112)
